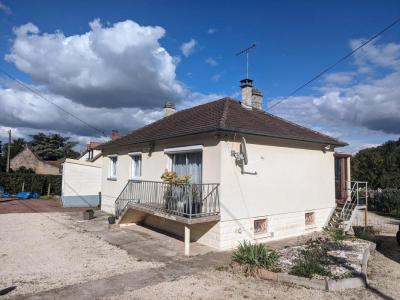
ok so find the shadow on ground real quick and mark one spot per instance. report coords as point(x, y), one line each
point(388, 246)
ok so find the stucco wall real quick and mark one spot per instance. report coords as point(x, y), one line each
point(154, 164)
point(80, 183)
point(292, 178)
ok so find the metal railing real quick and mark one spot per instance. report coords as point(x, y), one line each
point(357, 196)
point(185, 200)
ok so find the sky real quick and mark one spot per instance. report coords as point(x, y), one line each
point(114, 64)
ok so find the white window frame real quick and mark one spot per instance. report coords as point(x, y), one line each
point(110, 167)
point(133, 165)
point(176, 150)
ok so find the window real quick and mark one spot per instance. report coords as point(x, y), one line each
point(113, 167)
point(310, 218)
point(136, 168)
point(260, 226)
point(188, 164)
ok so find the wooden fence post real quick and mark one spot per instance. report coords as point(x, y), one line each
point(48, 189)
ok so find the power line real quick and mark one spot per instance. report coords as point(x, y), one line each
point(37, 93)
point(336, 63)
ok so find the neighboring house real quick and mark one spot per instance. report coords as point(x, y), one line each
point(91, 154)
point(281, 184)
point(26, 158)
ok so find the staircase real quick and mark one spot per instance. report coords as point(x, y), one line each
point(345, 213)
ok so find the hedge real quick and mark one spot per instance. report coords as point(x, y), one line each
point(385, 201)
point(12, 183)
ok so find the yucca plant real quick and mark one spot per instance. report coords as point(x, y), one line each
point(256, 255)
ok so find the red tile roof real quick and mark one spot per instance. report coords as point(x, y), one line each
point(224, 115)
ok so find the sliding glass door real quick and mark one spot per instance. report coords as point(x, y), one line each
point(188, 164)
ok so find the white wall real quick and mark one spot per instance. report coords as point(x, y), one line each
point(80, 183)
point(292, 178)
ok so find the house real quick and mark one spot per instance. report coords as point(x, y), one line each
point(27, 159)
point(90, 154)
point(253, 176)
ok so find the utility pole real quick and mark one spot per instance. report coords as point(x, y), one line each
point(8, 151)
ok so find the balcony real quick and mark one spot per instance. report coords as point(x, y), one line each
point(185, 203)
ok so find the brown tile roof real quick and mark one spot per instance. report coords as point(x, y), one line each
point(224, 115)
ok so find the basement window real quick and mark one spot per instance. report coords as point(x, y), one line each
point(310, 218)
point(260, 226)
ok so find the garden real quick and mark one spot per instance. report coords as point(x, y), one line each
point(332, 261)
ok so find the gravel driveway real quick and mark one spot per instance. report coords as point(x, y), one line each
point(42, 251)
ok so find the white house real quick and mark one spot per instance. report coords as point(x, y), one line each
point(281, 183)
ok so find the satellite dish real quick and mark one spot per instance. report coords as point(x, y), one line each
point(243, 151)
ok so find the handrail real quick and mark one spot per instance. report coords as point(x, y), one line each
point(186, 200)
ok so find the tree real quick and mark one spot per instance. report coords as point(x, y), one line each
point(52, 146)
point(380, 166)
point(17, 145)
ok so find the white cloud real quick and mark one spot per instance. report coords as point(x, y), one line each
point(211, 30)
point(5, 9)
point(211, 61)
point(216, 77)
point(356, 105)
point(339, 77)
point(188, 47)
point(122, 65)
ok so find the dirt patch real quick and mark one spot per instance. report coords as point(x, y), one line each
point(45, 251)
point(34, 206)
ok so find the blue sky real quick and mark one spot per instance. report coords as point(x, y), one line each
point(295, 40)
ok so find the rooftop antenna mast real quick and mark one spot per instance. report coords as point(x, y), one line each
point(247, 51)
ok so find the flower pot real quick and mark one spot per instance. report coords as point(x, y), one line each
point(88, 214)
point(111, 220)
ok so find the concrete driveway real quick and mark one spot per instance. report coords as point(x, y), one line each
point(134, 262)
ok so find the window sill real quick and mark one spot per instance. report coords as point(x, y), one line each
point(112, 178)
point(311, 227)
point(136, 179)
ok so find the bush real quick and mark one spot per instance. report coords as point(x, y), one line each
point(336, 234)
point(256, 255)
point(313, 260)
point(365, 233)
point(12, 183)
point(386, 201)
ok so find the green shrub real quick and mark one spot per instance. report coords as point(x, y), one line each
point(313, 260)
point(13, 182)
point(256, 255)
point(337, 234)
point(386, 201)
point(365, 233)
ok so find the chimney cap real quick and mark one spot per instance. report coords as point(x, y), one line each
point(256, 92)
point(247, 82)
point(169, 104)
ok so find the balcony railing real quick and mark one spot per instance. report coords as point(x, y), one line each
point(183, 200)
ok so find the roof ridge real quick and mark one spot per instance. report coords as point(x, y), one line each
point(300, 126)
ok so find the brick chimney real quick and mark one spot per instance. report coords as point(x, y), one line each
point(251, 97)
point(256, 99)
point(169, 109)
point(247, 86)
point(115, 135)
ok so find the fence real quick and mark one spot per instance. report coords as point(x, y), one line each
point(17, 182)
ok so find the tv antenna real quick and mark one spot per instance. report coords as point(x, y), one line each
point(247, 51)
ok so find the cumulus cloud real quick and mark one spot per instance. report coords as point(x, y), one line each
point(357, 104)
point(188, 47)
point(211, 61)
point(122, 65)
